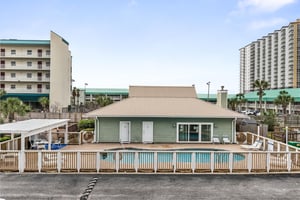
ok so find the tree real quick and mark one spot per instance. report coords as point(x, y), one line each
point(283, 99)
point(44, 101)
point(2, 93)
point(232, 103)
point(270, 120)
point(261, 86)
point(13, 105)
point(103, 101)
point(240, 100)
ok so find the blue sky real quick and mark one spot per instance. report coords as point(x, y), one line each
point(117, 43)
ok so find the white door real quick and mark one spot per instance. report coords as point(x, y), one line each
point(124, 132)
point(147, 132)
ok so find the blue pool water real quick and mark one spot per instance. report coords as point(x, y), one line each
point(148, 157)
point(55, 146)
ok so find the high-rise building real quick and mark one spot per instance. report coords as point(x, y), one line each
point(31, 69)
point(274, 58)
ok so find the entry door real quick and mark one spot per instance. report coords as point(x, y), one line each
point(124, 132)
point(147, 132)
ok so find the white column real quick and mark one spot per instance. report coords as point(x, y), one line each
point(49, 139)
point(22, 142)
point(13, 142)
point(66, 133)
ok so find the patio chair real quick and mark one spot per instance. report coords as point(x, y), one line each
point(226, 140)
point(216, 140)
point(255, 146)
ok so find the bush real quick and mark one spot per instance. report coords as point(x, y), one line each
point(4, 138)
point(86, 124)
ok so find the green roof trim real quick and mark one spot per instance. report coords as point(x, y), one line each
point(270, 95)
point(23, 42)
point(26, 97)
point(106, 91)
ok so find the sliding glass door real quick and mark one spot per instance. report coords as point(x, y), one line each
point(194, 132)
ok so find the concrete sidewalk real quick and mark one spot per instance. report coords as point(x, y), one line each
point(149, 186)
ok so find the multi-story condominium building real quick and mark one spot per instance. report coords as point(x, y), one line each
point(274, 58)
point(31, 69)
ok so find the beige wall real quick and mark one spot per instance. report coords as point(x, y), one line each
point(60, 73)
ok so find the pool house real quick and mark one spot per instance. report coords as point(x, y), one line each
point(161, 114)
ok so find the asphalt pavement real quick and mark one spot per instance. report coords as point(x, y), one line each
point(148, 186)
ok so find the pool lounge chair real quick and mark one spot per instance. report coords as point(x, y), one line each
point(255, 146)
point(226, 140)
point(216, 140)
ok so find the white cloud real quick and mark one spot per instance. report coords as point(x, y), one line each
point(262, 5)
point(276, 22)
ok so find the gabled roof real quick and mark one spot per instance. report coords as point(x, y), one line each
point(162, 91)
point(164, 103)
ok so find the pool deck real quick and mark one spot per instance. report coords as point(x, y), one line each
point(106, 146)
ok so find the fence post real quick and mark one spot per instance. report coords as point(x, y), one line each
point(98, 161)
point(289, 161)
point(230, 162)
point(212, 161)
point(193, 164)
point(117, 161)
point(136, 161)
point(268, 162)
point(174, 161)
point(155, 161)
point(78, 161)
point(39, 161)
point(59, 161)
point(21, 161)
point(249, 162)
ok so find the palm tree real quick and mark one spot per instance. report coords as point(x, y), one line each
point(261, 85)
point(103, 101)
point(232, 103)
point(240, 100)
point(283, 99)
point(11, 106)
point(44, 101)
point(2, 93)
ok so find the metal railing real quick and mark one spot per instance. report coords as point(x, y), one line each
point(150, 161)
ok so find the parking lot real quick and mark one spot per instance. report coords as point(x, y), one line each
point(148, 186)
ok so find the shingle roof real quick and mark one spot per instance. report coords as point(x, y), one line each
point(165, 106)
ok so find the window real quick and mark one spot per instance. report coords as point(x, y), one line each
point(40, 52)
point(13, 52)
point(48, 87)
point(12, 86)
point(48, 52)
point(29, 75)
point(2, 52)
point(13, 63)
point(2, 86)
point(194, 132)
point(29, 52)
point(40, 64)
point(2, 63)
point(13, 75)
point(47, 75)
point(29, 87)
point(47, 64)
point(29, 64)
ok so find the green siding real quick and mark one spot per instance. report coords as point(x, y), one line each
point(164, 129)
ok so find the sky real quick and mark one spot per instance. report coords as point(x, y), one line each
point(118, 43)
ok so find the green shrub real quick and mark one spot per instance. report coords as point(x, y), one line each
point(4, 138)
point(86, 124)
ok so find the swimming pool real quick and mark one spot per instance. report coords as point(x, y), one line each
point(55, 146)
point(167, 156)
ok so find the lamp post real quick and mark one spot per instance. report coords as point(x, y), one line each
point(208, 85)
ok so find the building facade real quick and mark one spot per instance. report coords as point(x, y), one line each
point(274, 58)
point(31, 69)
